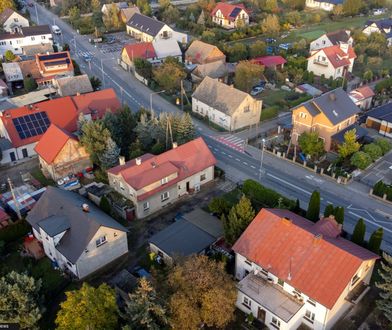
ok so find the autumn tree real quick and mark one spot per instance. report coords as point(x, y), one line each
point(111, 19)
point(350, 144)
point(384, 304)
point(270, 25)
point(20, 300)
point(311, 144)
point(247, 74)
point(384, 144)
point(373, 150)
point(237, 52)
point(74, 16)
point(271, 5)
point(169, 75)
point(4, 4)
point(144, 310)
point(9, 56)
point(144, 6)
point(313, 212)
point(206, 5)
point(352, 7)
point(258, 48)
point(203, 293)
point(88, 308)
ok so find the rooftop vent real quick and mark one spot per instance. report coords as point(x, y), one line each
point(153, 164)
point(175, 145)
point(85, 208)
point(121, 160)
point(335, 113)
point(138, 161)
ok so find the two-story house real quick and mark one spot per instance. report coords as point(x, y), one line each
point(224, 105)
point(54, 65)
point(36, 37)
point(147, 29)
point(362, 97)
point(142, 50)
point(327, 5)
point(293, 272)
point(11, 21)
point(327, 114)
point(383, 26)
point(76, 235)
point(230, 16)
point(334, 61)
point(200, 52)
point(153, 182)
point(334, 38)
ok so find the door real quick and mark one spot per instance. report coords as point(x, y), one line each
point(187, 186)
point(24, 153)
point(12, 156)
point(261, 314)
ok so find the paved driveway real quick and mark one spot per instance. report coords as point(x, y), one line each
point(382, 170)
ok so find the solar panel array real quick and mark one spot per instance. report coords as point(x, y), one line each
point(53, 56)
point(31, 125)
point(235, 12)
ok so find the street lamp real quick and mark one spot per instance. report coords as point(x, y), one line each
point(151, 94)
point(261, 159)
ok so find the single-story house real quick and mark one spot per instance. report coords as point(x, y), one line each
point(215, 70)
point(68, 86)
point(383, 26)
point(362, 97)
point(200, 52)
point(12, 72)
point(308, 89)
point(3, 89)
point(194, 233)
point(275, 62)
point(380, 119)
point(127, 13)
point(167, 48)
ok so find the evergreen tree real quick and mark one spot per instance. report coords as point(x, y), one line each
point(104, 205)
point(297, 207)
point(385, 303)
point(143, 309)
point(358, 236)
point(375, 240)
point(109, 158)
point(135, 150)
point(313, 212)
point(186, 129)
point(339, 214)
point(329, 210)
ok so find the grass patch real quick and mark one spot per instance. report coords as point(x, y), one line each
point(269, 113)
point(273, 97)
point(311, 35)
point(38, 175)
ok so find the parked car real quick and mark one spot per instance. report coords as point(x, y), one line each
point(56, 30)
point(270, 40)
point(379, 11)
point(141, 272)
point(110, 40)
point(286, 46)
point(271, 50)
point(87, 57)
point(256, 90)
point(284, 35)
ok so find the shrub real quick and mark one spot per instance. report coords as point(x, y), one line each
point(104, 205)
point(15, 231)
point(373, 150)
point(384, 144)
point(361, 160)
point(269, 113)
point(379, 189)
point(219, 205)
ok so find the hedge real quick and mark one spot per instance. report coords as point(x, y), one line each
point(264, 197)
point(15, 231)
point(380, 188)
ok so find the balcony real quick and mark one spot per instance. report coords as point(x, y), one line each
point(356, 294)
point(320, 62)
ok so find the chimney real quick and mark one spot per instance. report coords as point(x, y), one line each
point(287, 220)
point(318, 238)
point(78, 94)
point(175, 145)
point(85, 208)
point(121, 160)
point(138, 161)
point(344, 47)
point(332, 96)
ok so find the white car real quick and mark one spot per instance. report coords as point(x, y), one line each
point(256, 90)
point(56, 30)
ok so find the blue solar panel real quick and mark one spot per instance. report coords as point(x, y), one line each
point(31, 125)
point(235, 12)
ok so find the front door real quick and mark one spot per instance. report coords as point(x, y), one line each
point(187, 186)
point(261, 314)
point(24, 153)
point(12, 156)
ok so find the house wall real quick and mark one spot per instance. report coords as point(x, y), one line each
point(94, 258)
point(18, 152)
point(15, 22)
point(303, 121)
point(325, 69)
point(16, 44)
point(364, 104)
point(241, 19)
point(213, 56)
point(371, 29)
point(382, 126)
point(165, 33)
point(166, 258)
point(319, 5)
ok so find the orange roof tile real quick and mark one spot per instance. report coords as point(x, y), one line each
point(337, 56)
point(321, 265)
point(140, 50)
point(52, 142)
point(228, 10)
point(185, 160)
point(362, 93)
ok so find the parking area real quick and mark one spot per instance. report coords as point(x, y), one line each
point(114, 43)
point(382, 170)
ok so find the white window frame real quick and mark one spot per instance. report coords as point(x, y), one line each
point(275, 322)
point(165, 180)
point(146, 206)
point(165, 196)
point(100, 241)
point(309, 316)
point(247, 302)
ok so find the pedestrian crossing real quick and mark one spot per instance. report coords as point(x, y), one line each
point(86, 53)
point(231, 141)
point(113, 49)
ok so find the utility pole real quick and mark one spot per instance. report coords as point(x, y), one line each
point(182, 96)
point(261, 159)
point(16, 202)
point(36, 13)
point(103, 74)
point(168, 131)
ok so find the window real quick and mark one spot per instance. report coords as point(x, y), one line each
point(146, 206)
point(302, 115)
point(16, 19)
point(164, 180)
point(202, 177)
point(312, 302)
point(355, 279)
point(115, 234)
point(12, 156)
point(85, 250)
point(100, 241)
point(43, 37)
point(121, 186)
point(247, 302)
point(69, 264)
point(264, 271)
point(46, 237)
point(247, 108)
point(309, 316)
point(32, 38)
point(24, 153)
point(280, 282)
point(165, 196)
point(248, 262)
point(275, 322)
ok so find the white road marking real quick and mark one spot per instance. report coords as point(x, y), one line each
point(252, 166)
point(237, 160)
point(223, 153)
point(245, 163)
point(289, 184)
point(370, 221)
point(230, 156)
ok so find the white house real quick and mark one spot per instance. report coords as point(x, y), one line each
point(119, 5)
point(327, 5)
point(167, 48)
point(383, 26)
point(76, 235)
point(12, 72)
point(230, 16)
point(154, 182)
point(332, 39)
point(147, 29)
point(11, 21)
point(31, 36)
point(294, 272)
point(333, 61)
point(225, 106)
point(362, 97)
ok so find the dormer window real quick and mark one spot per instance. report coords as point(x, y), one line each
point(165, 180)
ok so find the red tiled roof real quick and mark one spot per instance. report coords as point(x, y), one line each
point(52, 142)
point(269, 61)
point(44, 62)
point(61, 112)
point(321, 266)
point(185, 160)
point(140, 50)
point(337, 56)
point(97, 103)
point(362, 93)
point(227, 9)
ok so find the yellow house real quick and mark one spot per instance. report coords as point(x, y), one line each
point(327, 114)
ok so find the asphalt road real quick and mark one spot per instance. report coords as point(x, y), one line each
point(288, 179)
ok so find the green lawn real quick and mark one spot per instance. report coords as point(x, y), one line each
point(311, 35)
point(273, 97)
point(38, 175)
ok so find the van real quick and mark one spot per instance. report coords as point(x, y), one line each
point(56, 30)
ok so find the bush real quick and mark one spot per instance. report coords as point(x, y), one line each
point(361, 160)
point(373, 150)
point(104, 205)
point(219, 206)
point(269, 113)
point(379, 189)
point(384, 144)
point(15, 231)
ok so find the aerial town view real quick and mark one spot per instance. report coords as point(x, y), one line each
point(196, 164)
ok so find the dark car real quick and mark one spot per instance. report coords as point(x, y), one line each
point(270, 40)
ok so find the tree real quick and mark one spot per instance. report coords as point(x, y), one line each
point(258, 48)
point(270, 25)
point(206, 5)
point(352, 7)
point(375, 240)
point(384, 304)
point(111, 19)
point(104, 205)
point(358, 236)
point(143, 310)
point(4, 4)
point(109, 157)
point(338, 10)
point(271, 5)
point(144, 6)
point(169, 75)
point(384, 144)
point(219, 205)
point(66, 47)
point(368, 75)
point(74, 16)
point(88, 308)
point(373, 150)
point(143, 67)
point(135, 150)
point(96, 6)
point(171, 14)
point(360, 160)
point(247, 74)
point(208, 36)
point(311, 144)
point(339, 214)
point(95, 83)
point(237, 52)
point(240, 216)
point(94, 138)
point(350, 144)
point(313, 212)
point(19, 300)
point(185, 130)
point(77, 71)
point(203, 293)
point(9, 56)
point(329, 210)
point(29, 84)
